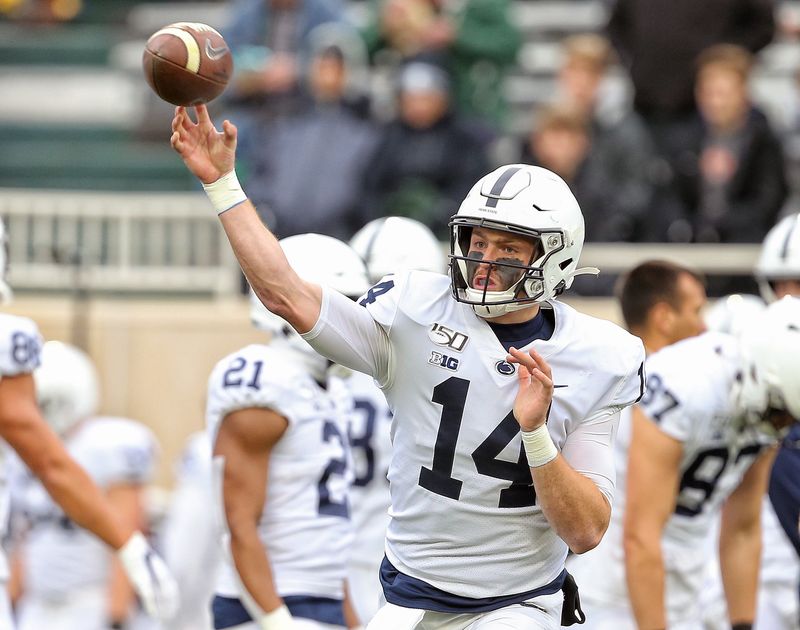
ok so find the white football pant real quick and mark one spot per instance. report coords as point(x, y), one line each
point(78, 610)
point(546, 615)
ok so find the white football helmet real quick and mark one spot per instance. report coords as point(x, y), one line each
point(393, 244)
point(67, 388)
point(734, 314)
point(780, 255)
point(528, 201)
point(326, 261)
point(5, 290)
point(772, 344)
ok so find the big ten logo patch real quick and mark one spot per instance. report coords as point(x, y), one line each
point(444, 361)
point(444, 336)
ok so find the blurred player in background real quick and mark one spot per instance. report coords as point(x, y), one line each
point(68, 579)
point(779, 569)
point(661, 303)
point(24, 429)
point(778, 274)
point(387, 245)
point(700, 447)
point(280, 446)
point(190, 538)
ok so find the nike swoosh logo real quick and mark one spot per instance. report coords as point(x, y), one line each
point(215, 54)
point(557, 386)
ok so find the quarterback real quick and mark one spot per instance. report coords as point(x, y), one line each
point(505, 400)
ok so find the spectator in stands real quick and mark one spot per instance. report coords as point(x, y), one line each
point(307, 171)
point(620, 145)
point(271, 42)
point(561, 141)
point(729, 165)
point(474, 39)
point(659, 41)
point(427, 159)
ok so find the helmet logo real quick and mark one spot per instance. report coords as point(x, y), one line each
point(496, 193)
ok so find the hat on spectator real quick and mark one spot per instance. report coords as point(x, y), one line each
point(419, 76)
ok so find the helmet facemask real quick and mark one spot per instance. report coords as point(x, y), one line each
point(525, 281)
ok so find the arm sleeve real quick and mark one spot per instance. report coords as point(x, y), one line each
point(589, 449)
point(666, 401)
point(350, 334)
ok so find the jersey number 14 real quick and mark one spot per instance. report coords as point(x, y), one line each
point(452, 395)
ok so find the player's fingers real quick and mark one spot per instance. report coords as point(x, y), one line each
point(517, 356)
point(176, 142)
point(230, 131)
point(541, 363)
point(543, 378)
point(202, 114)
point(523, 375)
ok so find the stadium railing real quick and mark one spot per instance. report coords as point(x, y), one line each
point(116, 242)
point(172, 243)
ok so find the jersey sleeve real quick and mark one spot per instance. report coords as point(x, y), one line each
point(256, 377)
point(356, 334)
point(631, 385)
point(667, 399)
point(589, 450)
point(20, 345)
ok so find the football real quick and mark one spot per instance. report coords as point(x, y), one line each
point(187, 63)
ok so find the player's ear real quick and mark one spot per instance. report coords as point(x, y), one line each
point(662, 317)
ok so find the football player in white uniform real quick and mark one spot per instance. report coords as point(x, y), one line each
point(281, 441)
point(778, 273)
point(699, 449)
point(23, 428)
point(506, 401)
point(69, 580)
point(189, 535)
point(779, 570)
point(661, 303)
point(383, 245)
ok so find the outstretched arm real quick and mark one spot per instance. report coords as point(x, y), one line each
point(211, 156)
point(23, 427)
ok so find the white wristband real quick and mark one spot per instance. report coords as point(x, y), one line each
point(225, 193)
point(278, 619)
point(539, 447)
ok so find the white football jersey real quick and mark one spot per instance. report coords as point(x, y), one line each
point(305, 524)
point(59, 556)
point(689, 396)
point(189, 535)
point(20, 349)
point(371, 449)
point(464, 517)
